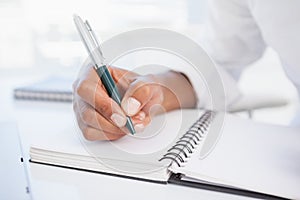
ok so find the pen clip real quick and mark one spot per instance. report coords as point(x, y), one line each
point(94, 38)
point(90, 41)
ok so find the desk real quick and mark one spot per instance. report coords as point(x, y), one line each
point(58, 183)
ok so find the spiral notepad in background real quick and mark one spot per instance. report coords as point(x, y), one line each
point(58, 89)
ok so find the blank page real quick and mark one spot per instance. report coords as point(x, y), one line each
point(254, 156)
point(63, 136)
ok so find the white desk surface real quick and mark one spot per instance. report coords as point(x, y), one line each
point(49, 182)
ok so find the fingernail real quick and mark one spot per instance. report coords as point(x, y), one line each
point(118, 119)
point(141, 116)
point(132, 106)
point(139, 128)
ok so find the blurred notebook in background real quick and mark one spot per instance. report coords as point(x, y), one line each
point(58, 89)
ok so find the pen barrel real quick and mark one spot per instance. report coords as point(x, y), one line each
point(113, 91)
point(109, 83)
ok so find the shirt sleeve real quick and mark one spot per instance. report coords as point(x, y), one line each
point(232, 38)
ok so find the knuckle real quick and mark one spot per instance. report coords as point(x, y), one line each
point(105, 107)
point(81, 87)
point(87, 116)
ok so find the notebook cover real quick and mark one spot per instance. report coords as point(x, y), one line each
point(99, 172)
point(177, 179)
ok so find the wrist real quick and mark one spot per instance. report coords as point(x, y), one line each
point(177, 91)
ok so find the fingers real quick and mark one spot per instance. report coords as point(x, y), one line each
point(101, 118)
point(140, 93)
point(140, 121)
point(93, 134)
point(92, 118)
point(95, 95)
point(137, 95)
point(98, 116)
point(93, 125)
point(96, 127)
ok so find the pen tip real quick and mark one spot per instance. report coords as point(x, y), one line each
point(130, 126)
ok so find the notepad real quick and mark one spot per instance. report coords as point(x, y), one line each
point(55, 88)
point(248, 158)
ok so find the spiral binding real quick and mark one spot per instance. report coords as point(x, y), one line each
point(185, 146)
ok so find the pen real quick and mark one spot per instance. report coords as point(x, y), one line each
point(93, 47)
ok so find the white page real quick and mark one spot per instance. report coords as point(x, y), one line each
point(61, 135)
point(254, 156)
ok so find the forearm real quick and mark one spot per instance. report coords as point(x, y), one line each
point(178, 91)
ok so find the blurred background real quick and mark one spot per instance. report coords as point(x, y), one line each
point(40, 35)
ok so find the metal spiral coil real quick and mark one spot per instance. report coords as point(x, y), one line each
point(185, 146)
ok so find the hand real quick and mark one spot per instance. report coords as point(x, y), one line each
point(101, 118)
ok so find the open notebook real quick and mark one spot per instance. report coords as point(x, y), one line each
point(249, 158)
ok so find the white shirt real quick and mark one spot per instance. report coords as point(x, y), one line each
point(238, 32)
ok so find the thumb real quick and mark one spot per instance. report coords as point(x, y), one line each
point(136, 96)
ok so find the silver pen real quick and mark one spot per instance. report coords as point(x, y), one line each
point(93, 47)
